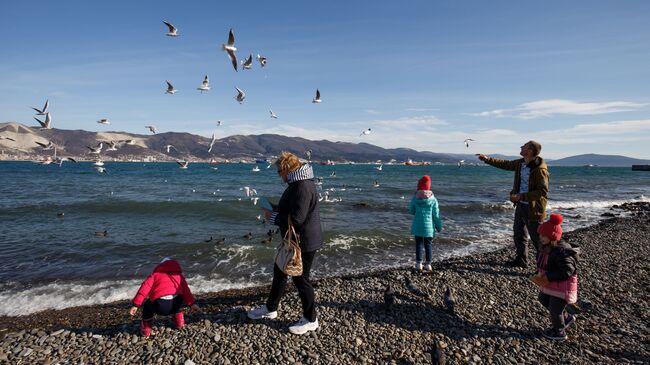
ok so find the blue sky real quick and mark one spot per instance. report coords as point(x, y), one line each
point(422, 74)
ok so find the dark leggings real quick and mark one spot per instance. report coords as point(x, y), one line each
point(302, 283)
point(163, 307)
point(555, 307)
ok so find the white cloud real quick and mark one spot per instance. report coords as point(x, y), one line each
point(421, 109)
point(550, 107)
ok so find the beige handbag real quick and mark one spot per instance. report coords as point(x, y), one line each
point(287, 256)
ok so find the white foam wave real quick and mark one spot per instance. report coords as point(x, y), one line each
point(596, 204)
point(65, 295)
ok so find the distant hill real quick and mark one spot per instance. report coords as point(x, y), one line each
point(599, 160)
point(75, 143)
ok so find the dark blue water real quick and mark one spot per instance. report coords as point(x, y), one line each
point(153, 210)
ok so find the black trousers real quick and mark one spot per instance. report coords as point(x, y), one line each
point(555, 307)
point(302, 283)
point(163, 307)
point(521, 229)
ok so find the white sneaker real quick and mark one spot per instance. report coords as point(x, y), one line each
point(418, 266)
point(428, 267)
point(303, 326)
point(262, 312)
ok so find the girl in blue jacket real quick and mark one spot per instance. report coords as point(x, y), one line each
point(426, 216)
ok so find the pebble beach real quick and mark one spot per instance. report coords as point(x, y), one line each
point(497, 319)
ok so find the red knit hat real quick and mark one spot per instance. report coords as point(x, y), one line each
point(551, 228)
point(424, 183)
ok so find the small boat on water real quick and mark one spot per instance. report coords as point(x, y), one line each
point(255, 169)
point(328, 162)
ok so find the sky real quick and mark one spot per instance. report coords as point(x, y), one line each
point(572, 75)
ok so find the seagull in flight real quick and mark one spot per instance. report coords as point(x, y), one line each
point(48, 121)
point(170, 88)
point(96, 150)
point(241, 95)
point(212, 142)
point(366, 132)
point(205, 85)
point(44, 110)
point(173, 32)
point(230, 49)
point(46, 147)
point(152, 128)
point(261, 59)
point(101, 170)
point(308, 153)
point(169, 146)
point(8, 138)
point(249, 191)
point(104, 121)
point(316, 99)
point(379, 168)
point(273, 115)
point(461, 163)
point(247, 64)
point(467, 141)
point(182, 164)
point(218, 123)
point(60, 160)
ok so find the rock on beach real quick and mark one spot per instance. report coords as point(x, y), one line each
point(497, 319)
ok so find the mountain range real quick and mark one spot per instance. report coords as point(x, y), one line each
point(77, 144)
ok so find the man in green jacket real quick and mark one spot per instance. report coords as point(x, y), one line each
point(529, 194)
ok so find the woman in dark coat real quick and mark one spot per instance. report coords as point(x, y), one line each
point(300, 202)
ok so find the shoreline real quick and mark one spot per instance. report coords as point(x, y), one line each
point(498, 317)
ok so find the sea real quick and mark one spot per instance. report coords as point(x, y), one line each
point(54, 253)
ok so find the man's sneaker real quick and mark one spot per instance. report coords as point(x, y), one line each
point(428, 267)
point(569, 319)
point(555, 335)
point(303, 326)
point(418, 266)
point(517, 263)
point(262, 312)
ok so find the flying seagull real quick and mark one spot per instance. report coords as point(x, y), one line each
point(230, 49)
point(273, 115)
point(182, 164)
point(366, 132)
point(308, 153)
point(247, 64)
point(9, 138)
point(152, 128)
point(214, 139)
point(467, 141)
point(44, 110)
point(101, 169)
point(261, 59)
point(205, 85)
point(317, 97)
point(103, 121)
point(461, 163)
point(241, 95)
point(168, 147)
point(60, 160)
point(112, 146)
point(170, 88)
point(46, 147)
point(48, 121)
point(96, 150)
point(218, 123)
point(173, 32)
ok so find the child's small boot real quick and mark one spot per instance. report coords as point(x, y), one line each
point(145, 328)
point(179, 320)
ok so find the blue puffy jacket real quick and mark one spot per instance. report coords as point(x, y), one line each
point(426, 214)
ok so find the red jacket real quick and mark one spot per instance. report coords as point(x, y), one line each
point(166, 279)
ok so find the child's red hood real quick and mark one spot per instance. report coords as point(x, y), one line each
point(169, 266)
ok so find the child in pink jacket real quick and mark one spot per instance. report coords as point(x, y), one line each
point(166, 290)
point(557, 277)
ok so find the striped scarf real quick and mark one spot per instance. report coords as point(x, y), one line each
point(305, 172)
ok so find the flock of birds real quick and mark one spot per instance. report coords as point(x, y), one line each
point(231, 51)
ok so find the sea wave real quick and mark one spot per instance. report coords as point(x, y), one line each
point(597, 204)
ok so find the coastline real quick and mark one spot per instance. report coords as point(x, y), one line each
point(498, 319)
